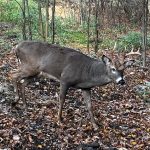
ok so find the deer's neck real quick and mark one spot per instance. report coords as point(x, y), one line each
point(99, 73)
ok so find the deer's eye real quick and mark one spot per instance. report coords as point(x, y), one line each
point(113, 69)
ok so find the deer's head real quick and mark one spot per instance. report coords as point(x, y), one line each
point(115, 70)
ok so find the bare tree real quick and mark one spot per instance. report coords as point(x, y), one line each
point(96, 25)
point(53, 22)
point(81, 12)
point(29, 21)
point(24, 19)
point(132, 9)
point(41, 28)
point(47, 20)
point(22, 7)
point(144, 29)
point(88, 25)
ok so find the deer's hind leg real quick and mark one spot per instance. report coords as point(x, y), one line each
point(16, 84)
point(20, 80)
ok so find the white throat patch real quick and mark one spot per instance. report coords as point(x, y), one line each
point(119, 79)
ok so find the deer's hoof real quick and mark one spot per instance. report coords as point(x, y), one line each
point(14, 103)
point(16, 98)
point(95, 126)
point(60, 119)
point(59, 123)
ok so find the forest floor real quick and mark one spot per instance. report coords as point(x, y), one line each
point(122, 113)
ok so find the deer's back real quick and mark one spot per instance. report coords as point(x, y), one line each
point(52, 59)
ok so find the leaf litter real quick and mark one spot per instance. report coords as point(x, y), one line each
point(122, 114)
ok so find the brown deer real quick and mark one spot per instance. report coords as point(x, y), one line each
point(70, 67)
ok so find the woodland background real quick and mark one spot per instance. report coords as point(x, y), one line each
point(93, 27)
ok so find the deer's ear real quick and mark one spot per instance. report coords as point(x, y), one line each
point(106, 60)
point(128, 63)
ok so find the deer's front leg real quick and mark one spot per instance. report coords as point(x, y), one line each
point(87, 98)
point(63, 91)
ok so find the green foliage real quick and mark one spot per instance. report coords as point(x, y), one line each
point(66, 32)
point(107, 43)
point(10, 11)
point(34, 13)
point(13, 32)
point(131, 39)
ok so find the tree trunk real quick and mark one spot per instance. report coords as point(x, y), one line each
point(88, 27)
point(96, 25)
point(83, 11)
point(24, 20)
point(144, 28)
point(29, 21)
point(53, 22)
point(41, 28)
point(47, 20)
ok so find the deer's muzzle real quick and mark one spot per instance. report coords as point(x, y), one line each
point(122, 82)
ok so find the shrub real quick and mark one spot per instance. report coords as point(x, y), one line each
point(67, 32)
point(131, 39)
point(10, 11)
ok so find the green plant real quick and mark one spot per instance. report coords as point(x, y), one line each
point(10, 11)
point(15, 31)
point(67, 32)
point(131, 39)
point(107, 43)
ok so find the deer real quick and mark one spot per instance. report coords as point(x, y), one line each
point(68, 66)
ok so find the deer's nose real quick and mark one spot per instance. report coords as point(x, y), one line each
point(122, 82)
